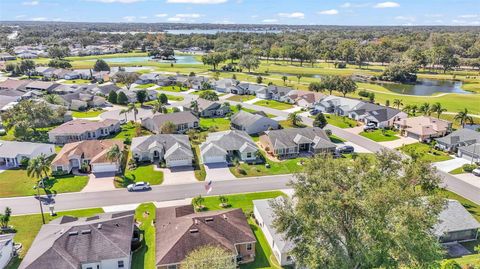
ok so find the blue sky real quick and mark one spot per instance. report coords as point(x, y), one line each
point(326, 12)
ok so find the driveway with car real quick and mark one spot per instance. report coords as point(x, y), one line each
point(218, 172)
point(100, 182)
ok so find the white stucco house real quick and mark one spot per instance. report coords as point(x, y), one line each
point(12, 152)
point(174, 149)
point(221, 147)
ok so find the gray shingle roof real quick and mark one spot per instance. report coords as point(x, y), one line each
point(229, 140)
point(68, 242)
point(455, 218)
point(293, 136)
point(381, 113)
point(464, 135)
point(243, 118)
point(11, 149)
point(176, 118)
point(174, 144)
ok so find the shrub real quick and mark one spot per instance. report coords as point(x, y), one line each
point(469, 167)
point(24, 162)
point(364, 93)
point(342, 65)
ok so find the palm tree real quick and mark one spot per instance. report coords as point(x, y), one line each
point(437, 108)
point(194, 107)
point(36, 168)
point(398, 103)
point(294, 118)
point(414, 109)
point(284, 78)
point(299, 76)
point(124, 112)
point(132, 107)
point(159, 106)
point(239, 107)
point(114, 154)
point(425, 109)
point(52, 99)
point(463, 117)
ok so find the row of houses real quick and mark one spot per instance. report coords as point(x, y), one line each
point(192, 82)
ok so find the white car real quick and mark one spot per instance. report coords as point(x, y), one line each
point(476, 172)
point(139, 186)
point(370, 126)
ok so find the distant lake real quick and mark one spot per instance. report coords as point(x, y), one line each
point(215, 31)
point(181, 59)
point(426, 87)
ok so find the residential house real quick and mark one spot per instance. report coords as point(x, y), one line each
point(280, 246)
point(338, 105)
point(457, 139)
point(14, 84)
point(209, 109)
point(423, 128)
point(221, 147)
point(7, 57)
point(196, 82)
point(13, 152)
point(41, 86)
point(179, 231)
point(102, 241)
point(456, 224)
point(224, 85)
point(381, 116)
point(470, 152)
point(290, 143)
point(273, 92)
point(79, 101)
point(173, 149)
point(148, 78)
point(183, 121)
point(89, 153)
point(131, 95)
point(80, 129)
point(252, 123)
point(7, 250)
point(303, 98)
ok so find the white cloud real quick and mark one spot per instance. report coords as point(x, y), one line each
point(405, 18)
point(294, 15)
point(161, 15)
point(129, 18)
point(31, 3)
point(468, 16)
point(39, 19)
point(117, 1)
point(387, 5)
point(187, 17)
point(20, 16)
point(175, 19)
point(202, 2)
point(270, 20)
point(328, 12)
point(143, 17)
point(354, 5)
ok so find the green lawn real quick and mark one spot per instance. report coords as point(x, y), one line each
point(77, 81)
point(264, 257)
point(27, 227)
point(144, 86)
point(289, 166)
point(87, 114)
point(144, 257)
point(336, 139)
point(241, 98)
point(457, 171)
point(199, 169)
point(130, 130)
point(379, 136)
point(15, 182)
point(428, 153)
point(288, 124)
point(144, 173)
point(340, 121)
point(174, 97)
point(172, 88)
point(221, 124)
point(273, 104)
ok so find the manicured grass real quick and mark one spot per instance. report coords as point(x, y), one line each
point(144, 257)
point(264, 257)
point(144, 86)
point(144, 173)
point(221, 124)
point(234, 110)
point(199, 169)
point(289, 166)
point(130, 130)
point(336, 139)
point(379, 136)
point(28, 226)
point(273, 104)
point(172, 88)
point(15, 182)
point(77, 81)
point(457, 171)
point(174, 97)
point(288, 124)
point(241, 98)
point(428, 153)
point(198, 92)
point(87, 114)
point(340, 121)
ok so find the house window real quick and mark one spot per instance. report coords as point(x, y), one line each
point(172, 267)
point(195, 124)
point(249, 246)
point(249, 155)
point(121, 264)
point(59, 168)
point(289, 258)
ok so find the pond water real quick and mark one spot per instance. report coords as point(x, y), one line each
point(426, 87)
point(181, 59)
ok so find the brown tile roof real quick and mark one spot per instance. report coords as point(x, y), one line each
point(424, 125)
point(80, 126)
point(13, 84)
point(94, 150)
point(179, 231)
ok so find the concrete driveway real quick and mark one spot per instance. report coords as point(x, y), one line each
point(177, 175)
point(218, 172)
point(469, 178)
point(100, 182)
point(449, 165)
point(115, 114)
point(358, 149)
point(399, 142)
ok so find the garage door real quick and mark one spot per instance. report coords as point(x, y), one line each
point(175, 163)
point(101, 168)
point(412, 135)
point(214, 159)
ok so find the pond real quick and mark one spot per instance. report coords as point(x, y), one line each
point(426, 87)
point(181, 59)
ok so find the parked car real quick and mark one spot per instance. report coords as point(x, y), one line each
point(345, 149)
point(370, 126)
point(476, 172)
point(139, 186)
point(314, 112)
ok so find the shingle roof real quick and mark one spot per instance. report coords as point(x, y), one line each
point(176, 118)
point(424, 125)
point(14, 84)
point(293, 136)
point(79, 126)
point(243, 118)
point(173, 144)
point(455, 218)
point(179, 231)
point(463, 135)
point(93, 150)
point(229, 140)
point(380, 113)
point(69, 242)
point(11, 149)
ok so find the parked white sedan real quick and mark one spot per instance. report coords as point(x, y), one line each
point(139, 186)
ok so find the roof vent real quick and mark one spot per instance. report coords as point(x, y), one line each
point(86, 231)
point(99, 226)
point(117, 225)
point(73, 233)
point(208, 219)
point(193, 231)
